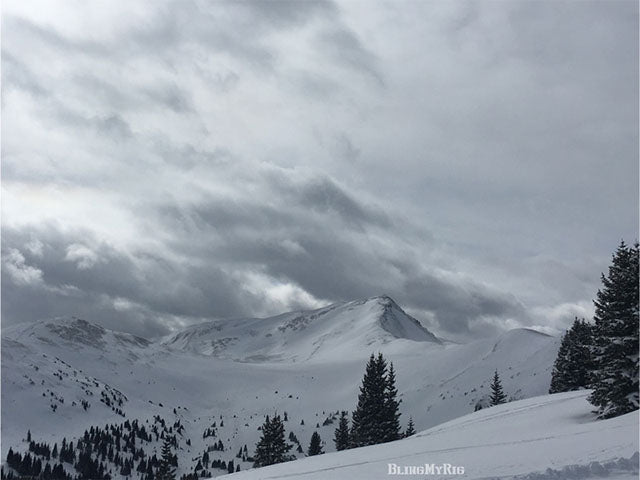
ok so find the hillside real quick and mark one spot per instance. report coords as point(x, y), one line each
point(546, 437)
point(333, 332)
point(307, 364)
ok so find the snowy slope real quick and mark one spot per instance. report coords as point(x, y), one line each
point(551, 436)
point(310, 367)
point(328, 333)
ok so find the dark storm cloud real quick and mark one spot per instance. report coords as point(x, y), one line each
point(456, 305)
point(310, 239)
point(324, 195)
point(72, 273)
point(167, 162)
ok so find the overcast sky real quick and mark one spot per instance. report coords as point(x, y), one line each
point(165, 163)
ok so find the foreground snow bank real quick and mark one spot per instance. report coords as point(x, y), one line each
point(552, 436)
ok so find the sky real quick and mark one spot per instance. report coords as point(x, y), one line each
point(171, 162)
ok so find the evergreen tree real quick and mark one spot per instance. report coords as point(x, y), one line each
point(166, 470)
point(341, 435)
point(315, 446)
point(573, 365)
point(410, 428)
point(615, 351)
point(497, 395)
point(368, 419)
point(272, 447)
point(376, 418)
point(391, 426)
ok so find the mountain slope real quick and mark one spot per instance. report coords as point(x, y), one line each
point(330, 332)
point(310, 367)
point(71, 333)
point(551, 436)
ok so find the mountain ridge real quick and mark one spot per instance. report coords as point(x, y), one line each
point(309, 367)
point(303, 334)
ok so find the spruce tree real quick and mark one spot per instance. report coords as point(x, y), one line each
point(615, 351)
point(341, 435)
point(272, 447)
point(410, 428)
point(391, 426)
point(315, 446)
point(376, 418)
point(573, 365)
point(368, 419)
point(497, 395)
point(165, 469)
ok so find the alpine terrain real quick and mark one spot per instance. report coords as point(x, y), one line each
point(211, 385)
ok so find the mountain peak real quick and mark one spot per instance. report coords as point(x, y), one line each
point(337, 330)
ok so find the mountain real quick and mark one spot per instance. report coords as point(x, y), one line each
point(546, 437)
point(327, 333)
point(74, 333)
point(62, 376)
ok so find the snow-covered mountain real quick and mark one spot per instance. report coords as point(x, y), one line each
point(541, 438)
point(328, 333)
point(233, 372)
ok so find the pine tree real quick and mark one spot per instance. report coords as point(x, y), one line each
point(272, 447)
point(391, 425)
point(497, 395)
point(166, 471)
point(341, 435)
point(410, 428)
point(315, 446)
point(368, 419)
point(571, 370)
point(615, 351)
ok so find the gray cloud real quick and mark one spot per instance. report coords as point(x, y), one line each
point(75, 274)
point(16, 74)
point(166, 162)
point(346, 47)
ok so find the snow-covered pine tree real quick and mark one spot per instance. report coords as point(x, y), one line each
point(166, 471)
point(341, 435)
point(272, 447)
point(367, 421)
point(615, 351)
point(571, 370)
point(391, 425)
point(315, 446)
point(497, 395)
point(410, 428)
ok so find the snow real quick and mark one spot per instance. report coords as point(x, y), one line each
point(308, 364)
point(550, 436)
point(333, 332)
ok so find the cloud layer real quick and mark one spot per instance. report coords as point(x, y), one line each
point(170, 162)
